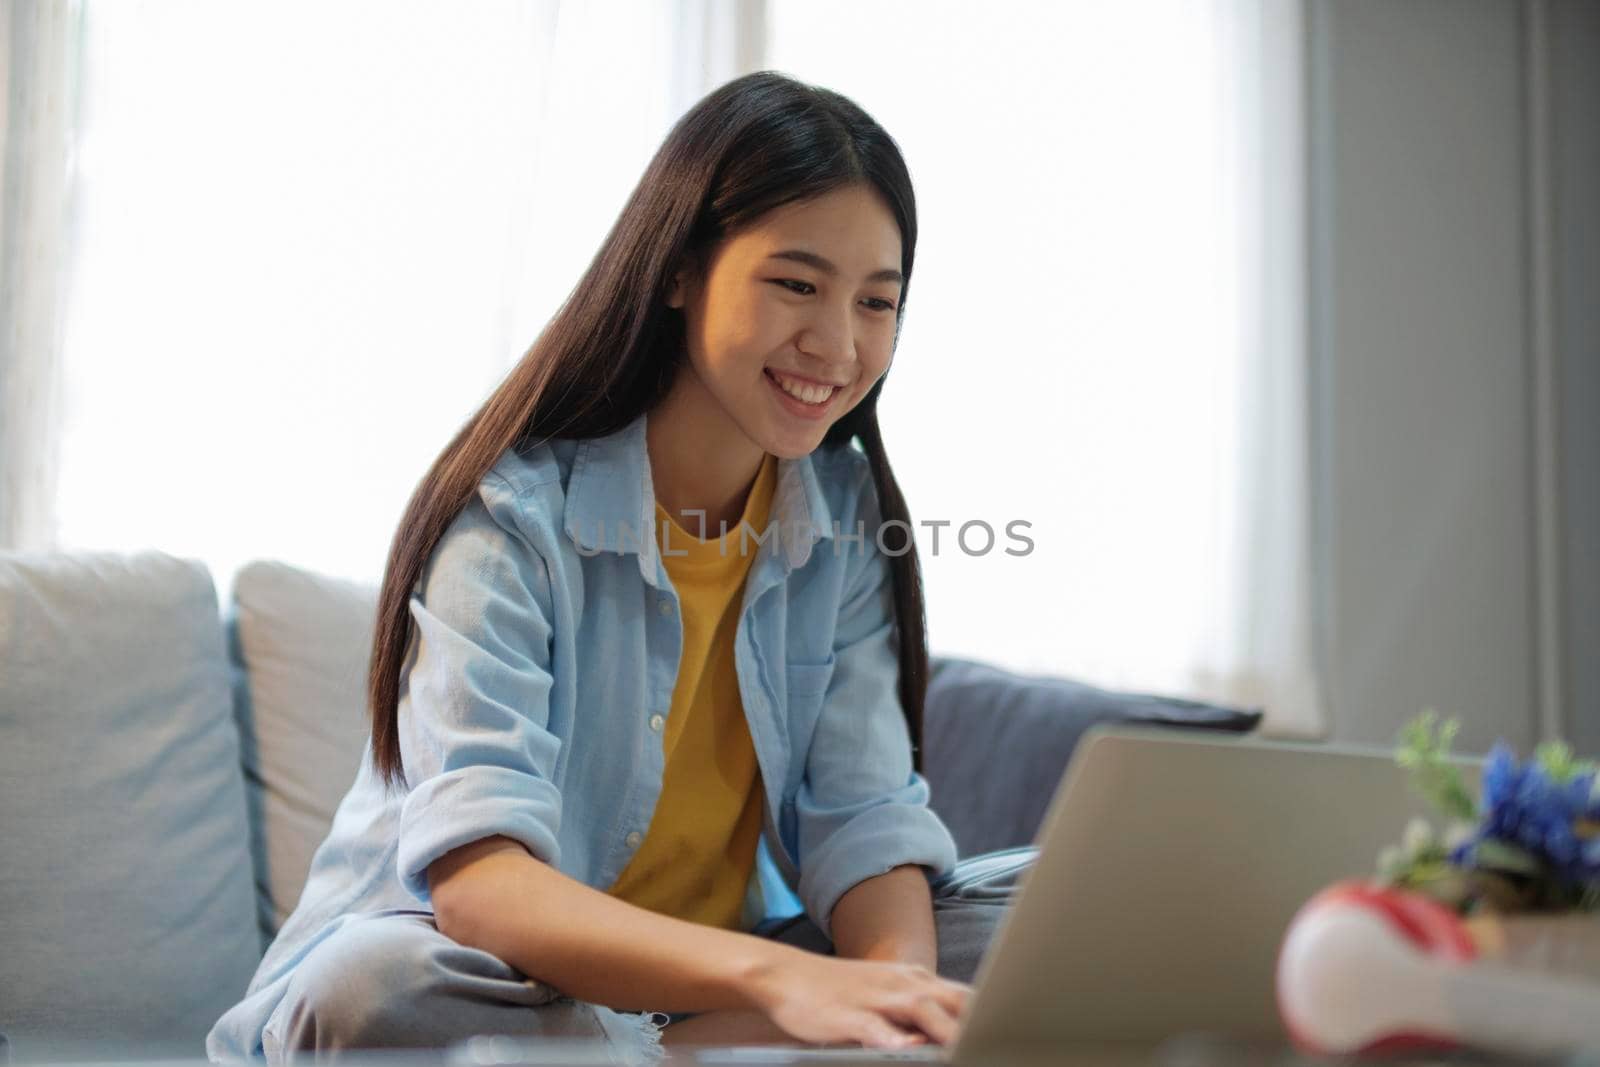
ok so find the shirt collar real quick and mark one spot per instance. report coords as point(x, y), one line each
point(611, 501)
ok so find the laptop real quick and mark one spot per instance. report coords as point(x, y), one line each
point(1170, 865)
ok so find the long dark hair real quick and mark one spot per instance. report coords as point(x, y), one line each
point(612, 349)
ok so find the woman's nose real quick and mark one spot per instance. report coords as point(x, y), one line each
point(829, 337)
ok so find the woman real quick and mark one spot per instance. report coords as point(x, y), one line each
point(650, 641)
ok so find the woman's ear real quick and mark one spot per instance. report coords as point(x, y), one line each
point(678, 289)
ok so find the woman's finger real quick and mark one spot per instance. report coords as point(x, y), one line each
point(881, 1033)
point(926, 1013)
point(954, 996)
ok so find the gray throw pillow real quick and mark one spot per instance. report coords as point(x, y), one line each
point(126, 909)
point(302, 640)
point(995, 742)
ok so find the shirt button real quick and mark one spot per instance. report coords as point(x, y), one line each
point(655, 723)
point(634, 839)
point(664, 606)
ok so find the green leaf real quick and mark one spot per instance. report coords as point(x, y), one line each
point(1556, 759)
point(1424, 753)
point(1497, 855)
point(1447, 884)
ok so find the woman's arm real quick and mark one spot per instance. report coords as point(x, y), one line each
point(888, 917)
point(494, 895)
point(860, 806)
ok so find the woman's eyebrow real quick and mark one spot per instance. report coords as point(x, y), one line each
point(811, 259)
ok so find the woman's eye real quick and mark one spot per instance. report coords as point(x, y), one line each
point(806, 288)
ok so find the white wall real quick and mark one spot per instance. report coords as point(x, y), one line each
point(1424, 378)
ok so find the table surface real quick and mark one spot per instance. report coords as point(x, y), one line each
point(1194, 1050)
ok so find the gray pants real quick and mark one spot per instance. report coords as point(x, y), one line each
point(394, 981)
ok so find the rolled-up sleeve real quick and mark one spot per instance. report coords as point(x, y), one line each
point(861, 809)
point(474, 711)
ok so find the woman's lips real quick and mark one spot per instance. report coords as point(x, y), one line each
point(794, 404)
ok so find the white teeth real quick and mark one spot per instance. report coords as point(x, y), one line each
point(811, 394)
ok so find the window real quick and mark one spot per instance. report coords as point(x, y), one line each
point(1099, 339)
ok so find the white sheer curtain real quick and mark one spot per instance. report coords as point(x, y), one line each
point(40, 48)
point(316, 235)
point(312, 238)
point(1103, 336)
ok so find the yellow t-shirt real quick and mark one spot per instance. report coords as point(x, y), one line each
point(699, 852)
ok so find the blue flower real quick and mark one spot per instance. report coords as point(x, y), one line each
point(1561, 846)
point(1537, 824)
point(1525, 805)
point(1582, 796)
point(1500, 775)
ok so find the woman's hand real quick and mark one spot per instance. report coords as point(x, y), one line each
point(824, 1000)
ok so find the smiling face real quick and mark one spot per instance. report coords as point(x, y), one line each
point(794, 320)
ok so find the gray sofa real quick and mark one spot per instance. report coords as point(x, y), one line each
point(168, 766)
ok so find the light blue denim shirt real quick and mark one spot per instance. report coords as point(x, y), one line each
point(534, 697)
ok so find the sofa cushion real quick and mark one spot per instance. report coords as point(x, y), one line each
point(125, 894)
point(995, 742)
point(304, 639)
